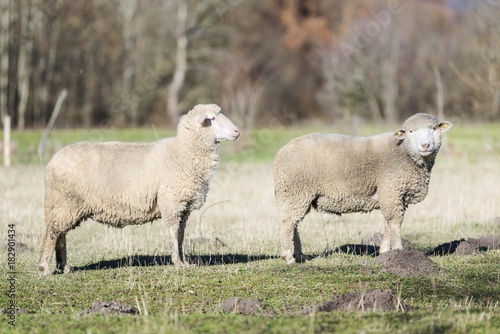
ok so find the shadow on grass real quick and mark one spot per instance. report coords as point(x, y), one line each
point(164, 260)
point(353, 249)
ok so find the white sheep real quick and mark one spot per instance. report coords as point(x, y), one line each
point(120, 184)
point(343, 174)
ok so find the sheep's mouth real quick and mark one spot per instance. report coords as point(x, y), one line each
point(426, 153)
point(228, 137)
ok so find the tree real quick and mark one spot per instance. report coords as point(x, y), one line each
point(4, 61)
point(181, 45)
point(25, 61)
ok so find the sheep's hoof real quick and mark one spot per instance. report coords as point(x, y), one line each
point(181, 265)
point(66, 269)
point(289, 259)
point(300, 258)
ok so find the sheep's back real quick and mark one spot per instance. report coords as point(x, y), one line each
point(330, 162)
point(348, 171)
point(109, 180)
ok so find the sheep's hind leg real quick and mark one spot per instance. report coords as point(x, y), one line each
point(291, 246)
point(61, 259)
point(297, 246)
point(48, 246)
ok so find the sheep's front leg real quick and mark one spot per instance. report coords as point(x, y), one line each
point(177, 233)
point(392, 232)
point(177, 224)
point(48, 246)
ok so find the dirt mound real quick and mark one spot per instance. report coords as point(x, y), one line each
point(467, 247)
point(406, 263)
point(369, 300)
point(239, 305)
point(20, 247)
point(112, 307)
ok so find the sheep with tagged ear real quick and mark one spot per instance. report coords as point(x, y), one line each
point(120, 184)
point(342, 174)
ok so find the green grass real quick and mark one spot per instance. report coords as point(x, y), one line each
point(473, 140)
point(462, 202)
point(462, 300)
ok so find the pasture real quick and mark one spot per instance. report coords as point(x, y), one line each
point(233, 243)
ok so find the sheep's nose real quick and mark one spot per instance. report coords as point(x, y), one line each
point(425, 145)
point(236, 132)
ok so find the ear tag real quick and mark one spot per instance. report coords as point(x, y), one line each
point(399, 134)
point(445, 126)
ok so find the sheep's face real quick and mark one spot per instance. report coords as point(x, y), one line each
point(222, 128)
point(422, 134)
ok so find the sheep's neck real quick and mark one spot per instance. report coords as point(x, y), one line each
point(199, 159)
point(426, 163)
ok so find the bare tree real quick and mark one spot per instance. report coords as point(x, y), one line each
point(24, 62)
point(177, 82)
point(242, 88)
point(390, 81)
point(439, 92)
point(129, 10)
point(47, 23)
point(4, 62)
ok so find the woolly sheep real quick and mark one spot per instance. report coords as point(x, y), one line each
point(343, 174)
point(120, 184)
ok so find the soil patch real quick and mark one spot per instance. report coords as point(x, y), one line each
point(406, 263)
point(18, 311)
point(20, 247)
point(112, 307)
point(369, 300)
point(239, 305)
point(467, 246)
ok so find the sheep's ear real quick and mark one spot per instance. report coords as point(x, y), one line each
point(400, 134)
point(203, 120)
point(445, 126)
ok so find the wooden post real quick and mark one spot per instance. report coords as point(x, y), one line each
point(6, 141)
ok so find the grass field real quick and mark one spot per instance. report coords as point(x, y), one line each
point(236, 235)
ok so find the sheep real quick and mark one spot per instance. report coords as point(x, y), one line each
point(121, 184)
point(343, 174)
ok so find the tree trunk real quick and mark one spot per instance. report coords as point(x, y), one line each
point(49, 36)
point(88, 102)
point(374, 108)
point(4, 63)
point(174, 89)
point(495, 102)
point(439, 92)
point(390, 82)
point(130, 105)
point(24, 64)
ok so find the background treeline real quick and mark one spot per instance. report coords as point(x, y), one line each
point(133, 62)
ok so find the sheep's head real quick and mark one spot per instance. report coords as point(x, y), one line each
point(421, 134)
point(212, 123)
